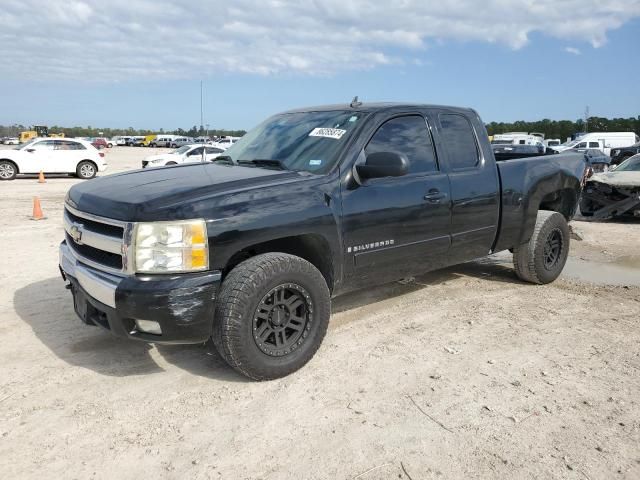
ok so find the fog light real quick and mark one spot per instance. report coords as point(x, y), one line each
point(148, 326)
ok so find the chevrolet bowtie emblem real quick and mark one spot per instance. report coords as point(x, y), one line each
point(76, 233)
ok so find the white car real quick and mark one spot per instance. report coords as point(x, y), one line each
point(185, 154)
point(12, 141)
point(50, 155)
point(225, 142)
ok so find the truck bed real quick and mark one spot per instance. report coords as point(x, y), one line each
point(547, 181)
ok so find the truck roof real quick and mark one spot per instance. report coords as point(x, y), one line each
point(377, 106)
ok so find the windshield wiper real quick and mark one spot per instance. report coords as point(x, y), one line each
point(264, 162)
point(223, 159)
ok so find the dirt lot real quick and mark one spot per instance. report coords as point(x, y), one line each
point(462, 373)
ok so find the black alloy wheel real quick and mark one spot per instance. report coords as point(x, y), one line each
point(553, 249)
point(283, 319)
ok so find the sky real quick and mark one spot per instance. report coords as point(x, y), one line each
point(140, 63)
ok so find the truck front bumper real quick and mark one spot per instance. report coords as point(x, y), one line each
point(181, 305)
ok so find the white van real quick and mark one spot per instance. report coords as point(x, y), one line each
point(181, 141)
point(603, 141)
point(163, 141)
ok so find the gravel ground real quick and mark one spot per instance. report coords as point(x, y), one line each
point(461, 373)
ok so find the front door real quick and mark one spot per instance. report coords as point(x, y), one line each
point(37, 157)
point(397, 226)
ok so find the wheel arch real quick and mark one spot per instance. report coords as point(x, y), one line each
point(95, 164)
point(12, 162)
point(312, 247)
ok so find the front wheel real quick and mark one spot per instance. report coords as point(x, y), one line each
point(86, 170)
point(8, 170)
point(271, 315)
point(543, 257)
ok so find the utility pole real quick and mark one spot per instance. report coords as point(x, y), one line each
point(586, 119)
point(201, 109)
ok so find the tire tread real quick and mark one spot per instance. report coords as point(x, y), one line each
point(232, 308)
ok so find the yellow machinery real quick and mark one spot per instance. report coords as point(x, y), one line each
point(148, 139)
point(38, 131)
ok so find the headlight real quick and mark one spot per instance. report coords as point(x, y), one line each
point(163, 247)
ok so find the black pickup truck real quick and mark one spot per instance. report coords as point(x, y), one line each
point(248, 250)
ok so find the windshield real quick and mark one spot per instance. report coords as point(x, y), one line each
point(25, 145)
point(308, 141)
point(182, 149)
point(630, 165)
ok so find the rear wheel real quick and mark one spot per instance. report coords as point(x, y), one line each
point(8, 170)
point(171, 163)
point(271, 316)
point(86, 170)
point(543, 257)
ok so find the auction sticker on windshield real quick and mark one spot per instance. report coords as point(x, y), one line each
point(335, 133)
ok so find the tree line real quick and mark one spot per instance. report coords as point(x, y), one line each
point(89, 131)
point(561, 129)
point(564, 129)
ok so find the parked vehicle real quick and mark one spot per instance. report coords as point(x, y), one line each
point(614, 193)
point(225, 142)
point(598, 162)
point(605, 141)
point(517, 138)
point(163, 141)
point(122, 141)
point(136, 141)
point(249, 249)
point(148, 139)
point(551, 142)
point(619, 155)
point(181, 141)
point(509, 152)
point(184, 154)
point(100, 143)
point(11, 141)
point(48, 155)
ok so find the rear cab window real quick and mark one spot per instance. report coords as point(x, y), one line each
point(459, 140)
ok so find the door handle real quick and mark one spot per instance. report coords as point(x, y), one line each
point(434, 196)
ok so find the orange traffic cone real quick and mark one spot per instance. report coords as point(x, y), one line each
point(37, 210)
point(41, 177)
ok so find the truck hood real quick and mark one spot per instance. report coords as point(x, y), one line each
point(618, 179)
point(143, 195)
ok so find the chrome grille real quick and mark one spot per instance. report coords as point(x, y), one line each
point(97, 241)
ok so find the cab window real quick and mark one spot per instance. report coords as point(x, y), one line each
point(407, 135)
point(460, 141)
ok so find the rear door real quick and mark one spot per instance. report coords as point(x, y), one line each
point(475, 191)
point(194, 155)
point(396, 226)
point(212, 153)
point(66, 156)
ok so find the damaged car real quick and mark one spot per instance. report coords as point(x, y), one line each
point(615, 193)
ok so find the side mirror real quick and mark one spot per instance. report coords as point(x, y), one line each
point(383, 164)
